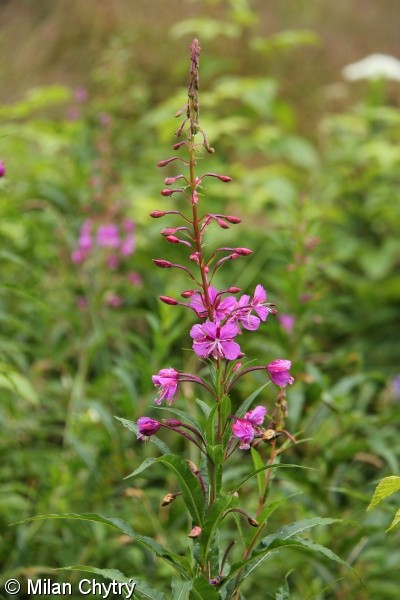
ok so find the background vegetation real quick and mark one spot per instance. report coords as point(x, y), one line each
point(88, 92)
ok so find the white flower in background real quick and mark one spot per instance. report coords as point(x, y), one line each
point(374, 66)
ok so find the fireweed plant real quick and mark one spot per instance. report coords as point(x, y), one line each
point(222, 315)
point(220, 436)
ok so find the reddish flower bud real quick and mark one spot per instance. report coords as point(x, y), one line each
point(243, 251)
point(167, 192)
point(178, 145)
point(173, 422)
point(224, 178)
point(156, 214)
point(233, 220)
point(222, 224)
point(168, 230)
point(195, 257)
point(168, 300)
point(234, 290)
point(172, 239)
point(187, 293)
point(169, 180)
point(164, 264)
point(163, 163)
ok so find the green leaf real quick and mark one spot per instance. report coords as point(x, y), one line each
point(189, 484)
point(141, 588)
point(395, 521)
point(244, 407)
point(180, 589)
point(204, 407)
point(258, 466)
point(386, 487)
point(211, 523)
point(202, 590)
point(179, 563)
point(265, 468)
point(131, 425)
point(283, 593)
point(184, 416)
point(211, 426)
point(295, 528)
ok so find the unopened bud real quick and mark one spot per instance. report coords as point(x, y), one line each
point(222, 224)
point(224, 178)
point(173, 422)
point(156, 214)
point(193, 467)
point(243, 251)
point(164, 264)
point(253, 522)
point(168, 300)
point(178, 145)
point(195, 533)
point(187, 293)
point(163, 163)
point(168, 230)
point(169, 180)
point(234, 290)
point(172, 239)
point(233, 220)
point(167, 192)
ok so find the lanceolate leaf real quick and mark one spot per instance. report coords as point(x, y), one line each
point(179, 563)
point(259, 466)
point(142, 589)
point(131, 425)
point(189, 484)
point(202, 590)
point(386, 487)
point(244, 407)
point(395, 521)
point(180, 589)
point(211, 524)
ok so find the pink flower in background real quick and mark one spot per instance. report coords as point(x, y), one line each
point(287, 322)
point(128, 225)
point(128, 246)
point(113, 262)
point(135, 278)
point(167, 381)
point(85, 237)
point(211, 339)
point(78, 256)
point(278, 370)
point(80, 94)
point(108, 236)
point(81, 302)
point(114, 300)
point(2, 168)
point(147, 427)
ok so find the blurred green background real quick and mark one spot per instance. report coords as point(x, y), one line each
point(88, 95)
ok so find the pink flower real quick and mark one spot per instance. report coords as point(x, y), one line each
point(114, 300)
point(78, 256)
point(2, 168)
point(246, 428)
point(278, 370)
point(222, 307)
point(85, 238)
point(243, 314)
point(243, 429)
point(167, 381)
point(127, 246)
point(210, 338)
point(287, 322)
point(258, 302)
point(135, 278)
point(256, 416)
point(147, 427)
point(113, 262)
point(108, 236)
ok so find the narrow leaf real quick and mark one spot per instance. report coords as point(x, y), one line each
point(202, 590)
point(180, 589)
point(386, 487)
point(212, 521)
point(258, 466)
point(244, 407)
point(395, 521)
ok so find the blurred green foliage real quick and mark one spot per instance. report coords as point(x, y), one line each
point(322, 215)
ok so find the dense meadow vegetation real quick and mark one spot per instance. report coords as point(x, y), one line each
point(83, 330)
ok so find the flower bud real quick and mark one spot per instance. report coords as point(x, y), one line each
point(243, 251)
point(163, 163)
point(178, 145)
point(234, 290)
point(224, 178)
point(167, 192)
point(233, 220)
point(172, 239)
point(168, 230)
point(253, 522)
point(173, 422)
point(222, 224)
point(156, 214)
point(187, 293)
point(168, 499)
point(164, 264)
point(168, 300)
